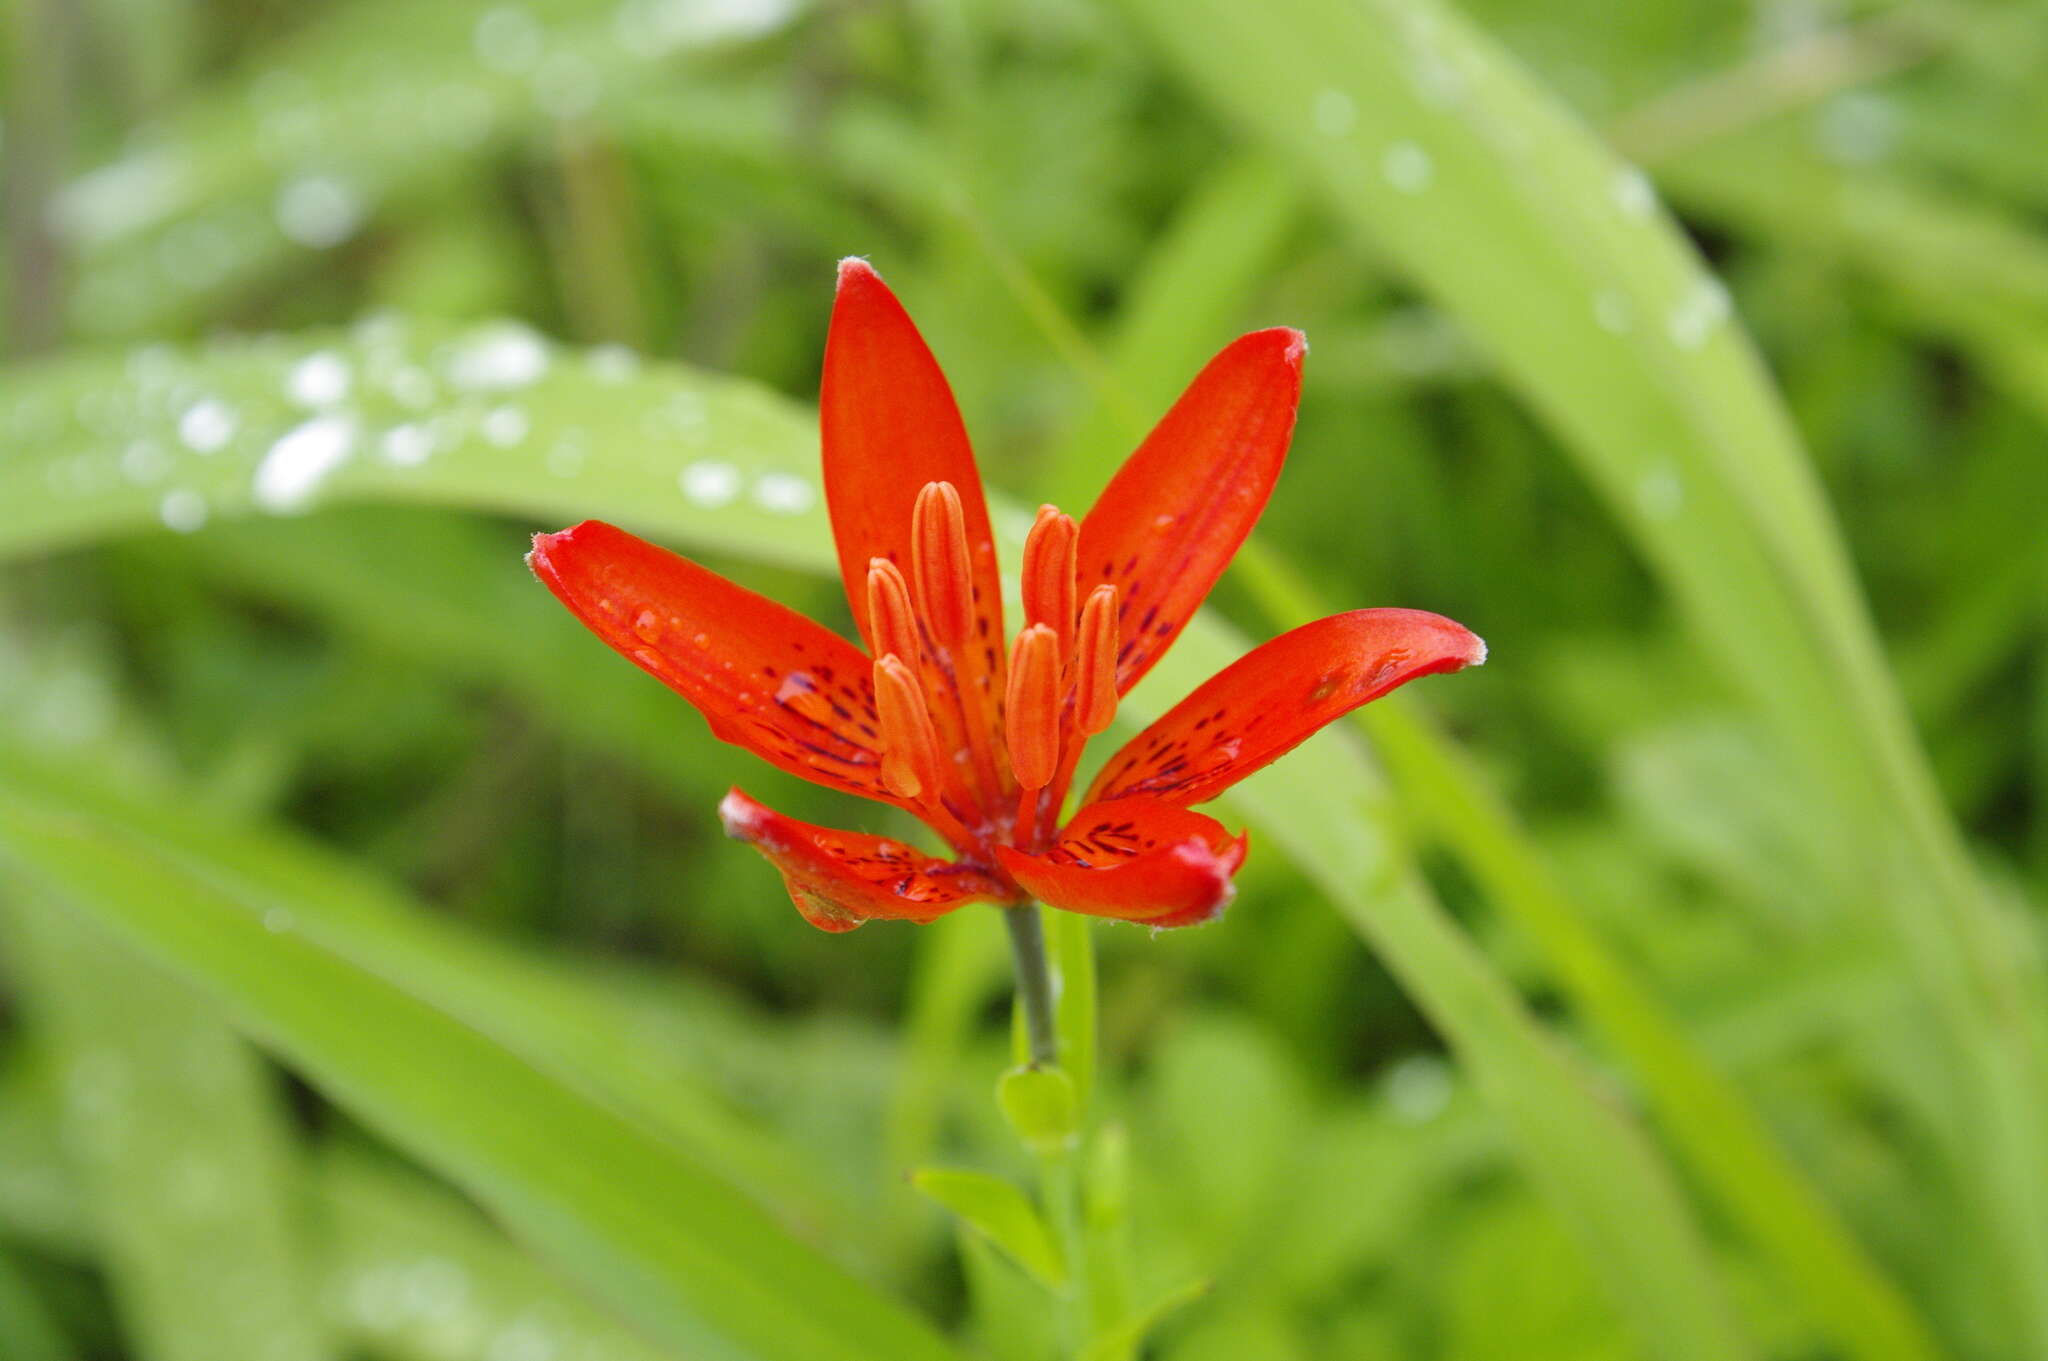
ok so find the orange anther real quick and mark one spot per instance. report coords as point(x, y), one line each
point(939, 564)
point(892, 627)
point(1050, 569)
point(910, 748)
point(1095, 665)
point(1031, 720)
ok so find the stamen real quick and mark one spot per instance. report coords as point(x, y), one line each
point(1032, 718)
point(1050, 573)
point(1095, 664)
point(891, 625)
point(940, 566)
point(910, 748)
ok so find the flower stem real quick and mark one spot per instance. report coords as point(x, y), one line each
point(1034, 981)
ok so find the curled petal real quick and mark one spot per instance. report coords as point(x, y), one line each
point(792, 692)
point(1271, 699)
point(890, 426)
point(840, 879)
point(1136, 860)
point(1170, 520)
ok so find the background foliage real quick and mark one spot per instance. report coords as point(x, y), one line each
point(376, 984)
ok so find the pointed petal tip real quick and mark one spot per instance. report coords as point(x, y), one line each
point(1286, 343)
point(585, 528)
point(855, 268)
point(1218, 871)
point(1476, 654)
point(740, 815)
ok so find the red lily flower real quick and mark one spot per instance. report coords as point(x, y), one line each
point(934, 717)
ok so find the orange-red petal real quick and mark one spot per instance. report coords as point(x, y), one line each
point(890, 426)
point(840, 879)
point(1271, 699)
point(792, 692)
point(1170, 520)
point(1137, 860)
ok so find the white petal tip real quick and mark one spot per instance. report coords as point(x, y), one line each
point(740, 815)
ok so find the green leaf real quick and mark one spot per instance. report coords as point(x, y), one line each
point(1704, 1115)
point(548, 1015)
point(1188, 295)
point(413, 1274)
point(1121, 1343)
point(1435, 147)
point(1041, 1106)
point(488, 417)
point(673, 1248)
point(338, 126)
point(1329, 812)
point(179, 1143)
point(1000, 1212)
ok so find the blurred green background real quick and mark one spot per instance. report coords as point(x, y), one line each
point(374, 982)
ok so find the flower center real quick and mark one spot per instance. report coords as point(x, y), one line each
point(980, 775)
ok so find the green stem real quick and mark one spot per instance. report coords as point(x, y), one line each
point(1034, 982)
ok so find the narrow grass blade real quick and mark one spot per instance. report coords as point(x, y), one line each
point(413, 1274)
point(1186, 298)
point(673, 1248)
point(1434, 146)
point(180, 1144)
